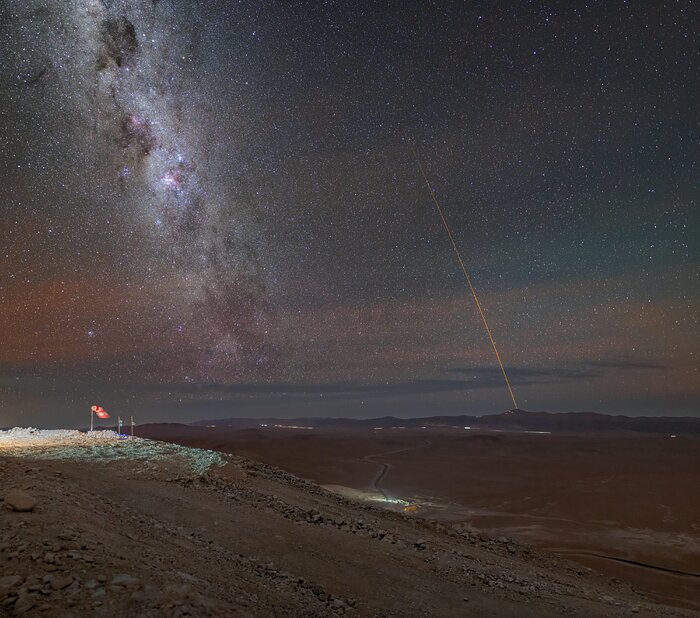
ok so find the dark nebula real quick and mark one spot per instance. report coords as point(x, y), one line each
point(118, 43)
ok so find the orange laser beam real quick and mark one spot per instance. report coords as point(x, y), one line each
point(472, 289)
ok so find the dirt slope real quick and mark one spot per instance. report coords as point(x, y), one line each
point(155, 538)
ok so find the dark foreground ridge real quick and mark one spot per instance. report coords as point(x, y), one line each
point(152, 538)
point(513, 420)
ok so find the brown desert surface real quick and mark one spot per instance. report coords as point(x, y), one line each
point(621, 503)
point(115, 527)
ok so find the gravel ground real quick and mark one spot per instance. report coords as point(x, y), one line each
point(74, 445)
point(141, 532)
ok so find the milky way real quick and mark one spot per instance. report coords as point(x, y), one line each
point(213, 207)
point(125, 70)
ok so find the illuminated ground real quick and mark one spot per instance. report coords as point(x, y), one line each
point(73, 445)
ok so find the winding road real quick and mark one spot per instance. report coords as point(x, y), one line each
point(384, 467)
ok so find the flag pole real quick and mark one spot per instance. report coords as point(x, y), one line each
point(91, 417)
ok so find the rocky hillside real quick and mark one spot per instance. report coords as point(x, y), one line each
point(156, 537)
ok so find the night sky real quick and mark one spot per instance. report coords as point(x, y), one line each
point(212, 209)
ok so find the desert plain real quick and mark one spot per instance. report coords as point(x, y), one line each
point(273, 521)
point(621, 503)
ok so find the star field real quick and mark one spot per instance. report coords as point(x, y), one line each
point(214, 207)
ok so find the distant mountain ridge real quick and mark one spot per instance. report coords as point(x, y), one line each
point(512, 420)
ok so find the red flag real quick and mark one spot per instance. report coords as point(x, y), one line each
point(100, 412)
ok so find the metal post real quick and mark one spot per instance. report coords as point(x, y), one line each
point(132, 426)
point(92, 415)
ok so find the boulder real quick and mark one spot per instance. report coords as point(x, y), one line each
point(61, 581)
point(9, 583)
point(125, 581)
point(24, 604)
point(20, 501)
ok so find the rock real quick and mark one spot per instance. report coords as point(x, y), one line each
point(125, 581)
point(24, 604)
point(49, 558)
point(20, 501)
point(182, 590)
point(74, 588)
point(61, 581)
point(9, 583)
